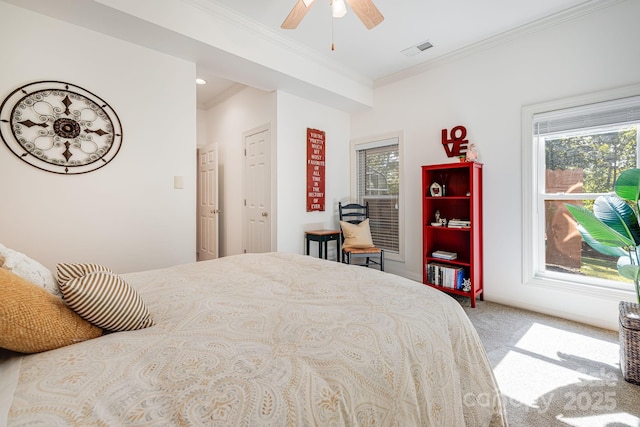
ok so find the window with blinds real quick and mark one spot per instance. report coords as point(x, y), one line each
point(579, 151)
point(378, 183)
point(585, 118)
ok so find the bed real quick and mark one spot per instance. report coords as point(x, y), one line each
point(266, 340)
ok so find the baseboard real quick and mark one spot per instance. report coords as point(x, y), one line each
point(599, 323)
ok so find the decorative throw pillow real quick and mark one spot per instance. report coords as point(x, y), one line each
point(28, 269)
point(107, 301)
point(356, 236)
point(32, 320)
point(67, 271)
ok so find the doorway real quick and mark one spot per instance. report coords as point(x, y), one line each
point(208, 208)
point(257, 212)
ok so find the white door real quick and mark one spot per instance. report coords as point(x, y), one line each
point(257, 197)
point(208, 211)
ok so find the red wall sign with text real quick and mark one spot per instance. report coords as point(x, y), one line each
point(315, 169)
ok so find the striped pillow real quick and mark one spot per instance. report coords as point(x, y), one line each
point(105, 300)
point(67, 271)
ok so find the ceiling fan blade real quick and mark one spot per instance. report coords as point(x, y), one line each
point(367, 12)
point(295, 16)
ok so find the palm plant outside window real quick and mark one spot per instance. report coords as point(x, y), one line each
point(582, 152)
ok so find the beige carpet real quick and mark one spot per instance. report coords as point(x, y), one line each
point(554, 372)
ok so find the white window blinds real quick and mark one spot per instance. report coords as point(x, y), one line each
point(378, 175)
point(585, 117)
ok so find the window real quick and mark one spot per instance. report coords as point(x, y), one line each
point(376, 171)
point(574, 152)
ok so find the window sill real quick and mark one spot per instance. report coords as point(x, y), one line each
point(600, 292)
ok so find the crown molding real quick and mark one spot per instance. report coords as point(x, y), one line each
point(269, 35)
point(223, 96)
point(500, 39)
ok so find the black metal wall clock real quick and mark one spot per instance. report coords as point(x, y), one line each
point(60, 127)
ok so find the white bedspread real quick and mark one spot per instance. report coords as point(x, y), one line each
point(270, 340)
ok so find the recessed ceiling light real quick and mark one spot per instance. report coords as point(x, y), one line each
point(201, 82)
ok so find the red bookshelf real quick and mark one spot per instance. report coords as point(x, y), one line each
point(459, 197)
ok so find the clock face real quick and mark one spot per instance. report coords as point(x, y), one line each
point(59, 127)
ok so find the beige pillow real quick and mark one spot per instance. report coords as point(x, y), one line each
point(67, 271)
point(32, 320)
point(107, 301)
point(29, 269)
point(356, 236)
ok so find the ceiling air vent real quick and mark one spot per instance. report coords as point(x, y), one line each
point(420, 47)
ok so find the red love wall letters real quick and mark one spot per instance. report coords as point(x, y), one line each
point(456, 145)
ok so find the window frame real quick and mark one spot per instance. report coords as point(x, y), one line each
point(391, 138)
point(533, 203)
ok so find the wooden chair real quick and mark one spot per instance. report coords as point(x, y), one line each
point(356, 236)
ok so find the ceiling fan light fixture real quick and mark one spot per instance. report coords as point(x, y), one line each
point(338, 8)
point(365, 10)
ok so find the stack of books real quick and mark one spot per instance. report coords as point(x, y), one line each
point(444, 255)
point(446, 276)
point(459, 223)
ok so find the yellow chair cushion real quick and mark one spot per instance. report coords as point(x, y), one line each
point(33, 320)
point(356, 236)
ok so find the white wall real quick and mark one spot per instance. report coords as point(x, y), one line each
point(225, 124)
point(295, 115)
point(125, 215)
point(485, 92)
point(289, 117)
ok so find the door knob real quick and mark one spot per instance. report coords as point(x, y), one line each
point(264, 214)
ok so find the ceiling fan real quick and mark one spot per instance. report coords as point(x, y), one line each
point(364, 9)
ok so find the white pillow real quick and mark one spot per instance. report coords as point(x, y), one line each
point(28, 269)
point(105, 300)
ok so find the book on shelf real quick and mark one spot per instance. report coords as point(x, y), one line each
point(459, 223)
point(444, 255)
point(445, 275)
